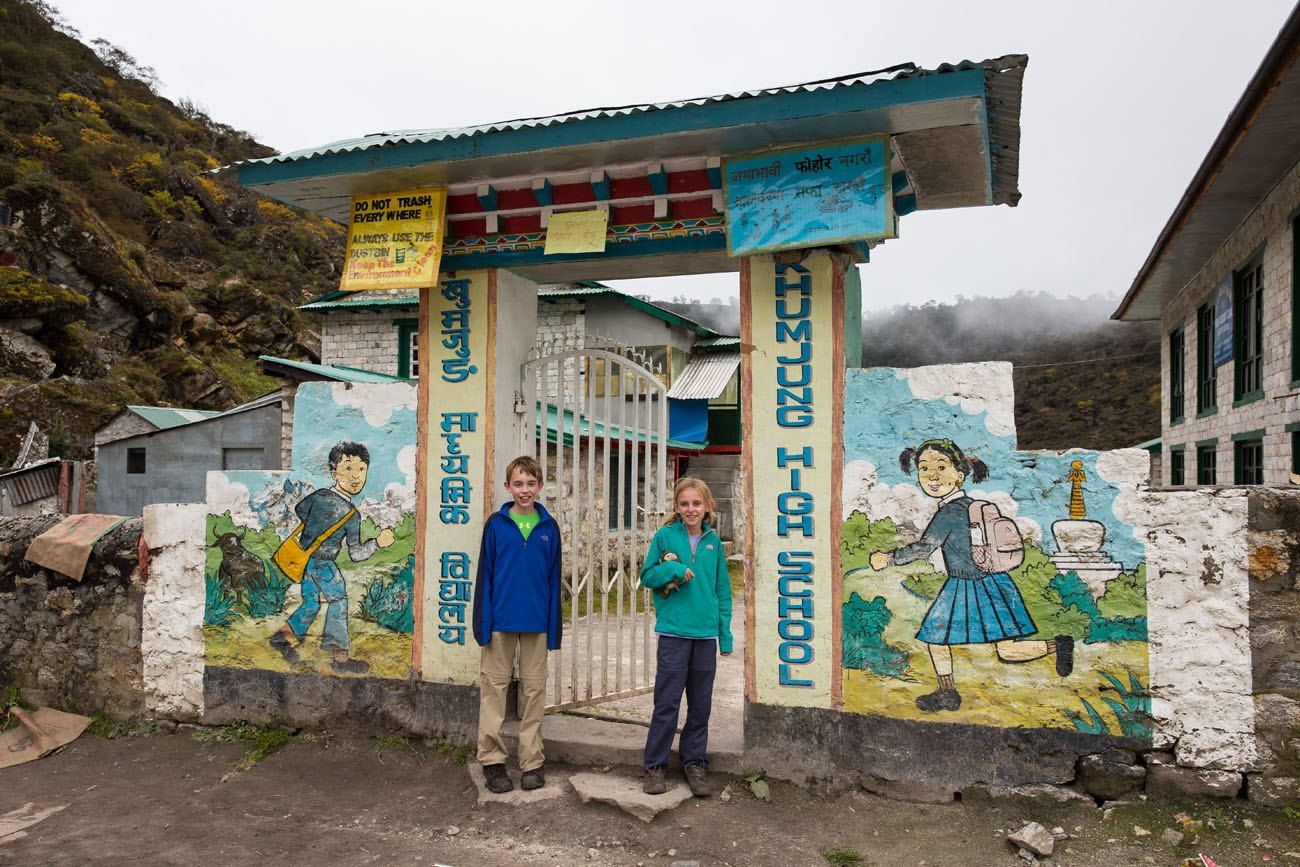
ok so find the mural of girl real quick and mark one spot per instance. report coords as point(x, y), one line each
point(973, 606)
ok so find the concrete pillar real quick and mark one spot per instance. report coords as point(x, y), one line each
point(476, 328)
point(793, 315)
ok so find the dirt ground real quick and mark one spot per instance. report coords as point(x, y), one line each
point(164, 799)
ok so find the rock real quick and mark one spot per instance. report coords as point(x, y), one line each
point(203, 329)
point(1035, 838)
point(1171, 837)
point(27, 325)
point(452, 830)
point(1027, 856)
point(1273, 791)
point(1031, 792)
point(627, 795)
point(1139, 831)
point(1197, 782)
point(1058, 834)
point(916, 792)
point(554, 788)
point(1110, 780)
point(24, 356)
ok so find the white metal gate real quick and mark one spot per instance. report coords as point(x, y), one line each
point(600, 433)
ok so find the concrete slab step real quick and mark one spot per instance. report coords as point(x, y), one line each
point(581, 741)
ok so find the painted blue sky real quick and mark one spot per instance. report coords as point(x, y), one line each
point(882, 417)
point(320, 423)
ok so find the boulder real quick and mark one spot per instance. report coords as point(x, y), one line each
point(1273, 791)
point(24, 356)
point(1197, 782)
point(1110, 780)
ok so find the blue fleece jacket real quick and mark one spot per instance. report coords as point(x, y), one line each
point(518, 584)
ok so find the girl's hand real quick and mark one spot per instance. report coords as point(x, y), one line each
point(879, 560)
point(384, 539)
point(688, 576)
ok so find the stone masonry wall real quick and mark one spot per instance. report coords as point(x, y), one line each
point(69, 645)
point(1274, 537)
point(367, 339)
point(171, 643)
point(1268, 228)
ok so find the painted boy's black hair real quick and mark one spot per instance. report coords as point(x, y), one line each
point(348, 449)
point(973, 467)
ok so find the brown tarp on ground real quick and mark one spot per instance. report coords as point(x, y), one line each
point(39, 732)
point(65, 547)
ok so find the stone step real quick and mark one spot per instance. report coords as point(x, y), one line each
point(581, 741)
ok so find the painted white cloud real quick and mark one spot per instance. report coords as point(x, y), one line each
point(406, 464)
point(227, 496)
point(377, 402)
point(983, 387)
point(1130, 471)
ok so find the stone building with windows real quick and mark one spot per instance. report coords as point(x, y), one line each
point(1223, 279)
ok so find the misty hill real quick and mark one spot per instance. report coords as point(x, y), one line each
point(1081, 379)
point(127, 273)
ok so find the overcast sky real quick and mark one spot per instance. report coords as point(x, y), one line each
point(1122, 99)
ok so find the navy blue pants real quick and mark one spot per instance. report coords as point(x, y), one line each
point(685, 665)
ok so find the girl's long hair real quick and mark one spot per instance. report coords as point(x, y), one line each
point(705, 494)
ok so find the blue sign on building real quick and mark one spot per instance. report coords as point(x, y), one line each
point(809, 197)
point(1223, 321)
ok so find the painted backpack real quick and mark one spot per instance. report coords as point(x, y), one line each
point(994, 539)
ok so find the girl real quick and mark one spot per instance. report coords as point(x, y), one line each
point(693, 622)
point(973, 607)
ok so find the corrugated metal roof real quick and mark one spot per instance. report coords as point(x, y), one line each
point(166, 417)
point(705, 376)
point(591, 289)
point(1008, 64)
point(709, 344)
point(330, 371)
point(354, 303)
point(587, 429)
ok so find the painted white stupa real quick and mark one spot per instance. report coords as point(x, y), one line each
point(1079, 541)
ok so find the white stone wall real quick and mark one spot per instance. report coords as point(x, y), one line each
point(1268, 227)
point(1198, 625)
point(171, 641)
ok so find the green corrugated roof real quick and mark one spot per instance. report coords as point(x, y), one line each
point(588, 429)
point(166, 417)
point(352, 302)
point(711, 343)
point(335, 372)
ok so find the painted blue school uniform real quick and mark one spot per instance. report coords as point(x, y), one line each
point(972, 607)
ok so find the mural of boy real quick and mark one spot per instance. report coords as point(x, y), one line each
point(974, 606)
point(320, 510)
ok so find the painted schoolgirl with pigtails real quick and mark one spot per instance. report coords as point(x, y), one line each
point(974, 606)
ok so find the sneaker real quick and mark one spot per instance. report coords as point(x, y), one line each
point(284, 646)
point(940, 699)
point(349, 666)
point(1064, 655)
point(534, 779)
point(497, 780)
point(654, 782)
point(697, 777)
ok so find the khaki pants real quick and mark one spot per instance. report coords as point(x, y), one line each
point(496, 665)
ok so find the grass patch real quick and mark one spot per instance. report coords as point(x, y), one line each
point(399, 744)
point(263, 741)
point(110, 729)
point(450, 752)
point(9, 721)
point(842, 856)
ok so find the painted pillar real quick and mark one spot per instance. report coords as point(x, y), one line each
point(792, 322)
point(476, 328)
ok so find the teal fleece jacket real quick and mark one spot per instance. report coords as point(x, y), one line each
point(700, 608)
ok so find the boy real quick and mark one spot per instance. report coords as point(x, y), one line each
point(319, 511)
point(516, 606)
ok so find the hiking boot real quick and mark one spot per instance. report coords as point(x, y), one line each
point(282, 643)
point(697, 777)
point(348, 665)
point(1064, 655)
point(654, 782)
point(940, 699)
point(534, 779)
point(496, 779)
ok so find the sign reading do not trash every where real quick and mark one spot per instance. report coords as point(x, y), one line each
point(394, 240)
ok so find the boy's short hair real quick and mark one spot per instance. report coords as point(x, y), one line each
point(525, 464)
point(348, 449)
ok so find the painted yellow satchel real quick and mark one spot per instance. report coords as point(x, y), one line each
point(292, 557)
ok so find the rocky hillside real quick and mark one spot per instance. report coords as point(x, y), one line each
point(127, 273)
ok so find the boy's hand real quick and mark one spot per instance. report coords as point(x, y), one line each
point(384, 539)
point(879, 560)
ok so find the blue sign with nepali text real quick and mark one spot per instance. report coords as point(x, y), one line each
point(1223, 321)
point(808, 197)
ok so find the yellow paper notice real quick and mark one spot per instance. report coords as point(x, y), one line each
point(576, 232)
point(394, 240)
